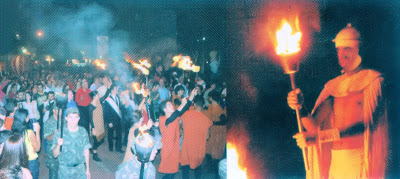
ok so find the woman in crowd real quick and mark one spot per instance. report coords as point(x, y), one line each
point(14, 157)
point(31, 106)
point(31, 138)
point(96, 116)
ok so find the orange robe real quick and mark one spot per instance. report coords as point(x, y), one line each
point(216, 144)
point(8, 122)
point(195, 130)
point(170, 149)
point(369, 83)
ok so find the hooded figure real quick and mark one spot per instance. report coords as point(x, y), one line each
point(346, 133)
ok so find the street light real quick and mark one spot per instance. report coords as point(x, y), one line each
point(39, 33)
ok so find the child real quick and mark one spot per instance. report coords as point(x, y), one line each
point(75, 151)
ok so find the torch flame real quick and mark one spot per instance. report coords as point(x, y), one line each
point(138, 90)
point(233, 169)
point(143, 64)
point(144, 138)
point(184, 63)
point(100, 64)
point(287, 43)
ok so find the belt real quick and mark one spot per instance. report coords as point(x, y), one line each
point(72, 165)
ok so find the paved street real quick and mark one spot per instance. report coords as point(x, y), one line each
point(106, 169)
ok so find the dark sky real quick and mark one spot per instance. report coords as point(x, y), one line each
point(131, 25)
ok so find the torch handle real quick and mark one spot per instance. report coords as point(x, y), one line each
point(62, 126)
point(299, 122)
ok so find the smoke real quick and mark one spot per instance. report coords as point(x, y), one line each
point(71, 31)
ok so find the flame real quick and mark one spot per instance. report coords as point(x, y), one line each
point(287, 43)
point(185, 63)
point(143, 64)
point(138, 90)
point(144, 139)
point(100, 64)
point(233, 169)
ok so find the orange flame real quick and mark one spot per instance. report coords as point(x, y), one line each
point(233, 169)
point(144, 139)
point(185, 63)
point(138, 90)
point(143, 64)
point(287, 43)
point(100, 64)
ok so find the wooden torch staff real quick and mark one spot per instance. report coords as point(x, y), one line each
point(299, 123)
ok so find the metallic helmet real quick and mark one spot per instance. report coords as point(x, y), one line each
point(347, 37)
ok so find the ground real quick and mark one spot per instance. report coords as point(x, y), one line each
point(107, 168)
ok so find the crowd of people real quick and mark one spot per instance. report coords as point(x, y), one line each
point(67, 115)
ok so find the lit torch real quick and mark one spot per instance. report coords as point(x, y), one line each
point(100, 64)
point(288, 47)
point(233, 168)
point(144, 144)
point(185, 63)
point(139, 90)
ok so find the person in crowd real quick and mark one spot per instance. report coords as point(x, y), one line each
point(112, 117)
point(59, 87)
point(31, 106)
point(40, 96)
point(131, 168)
point(3, 114)
point(96, 84)
point(50, 128)
point(214, 65)
point(97, 123)
point(74, 158)
point(216, 144)
point(4, 134)
point(163, 92)
point(170, 133)
point(14, 157)
point(206, 92)
point(20, 96)
point(196, 127)
point(10, 107)
point(135, 117)
point(83, 100)
point(12, 94)
point(176, 99)
point(3, 84)
point(200, 81)
point(31, 138)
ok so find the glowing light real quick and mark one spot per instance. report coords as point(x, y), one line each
point(143, 64)
point(138, 90)
point(233, 169)
point(39, 33)
point(184, 63)
point(144, 139)
point(287, 43)
point(100, 64)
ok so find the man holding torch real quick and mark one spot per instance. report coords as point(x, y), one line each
point(346, 132)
